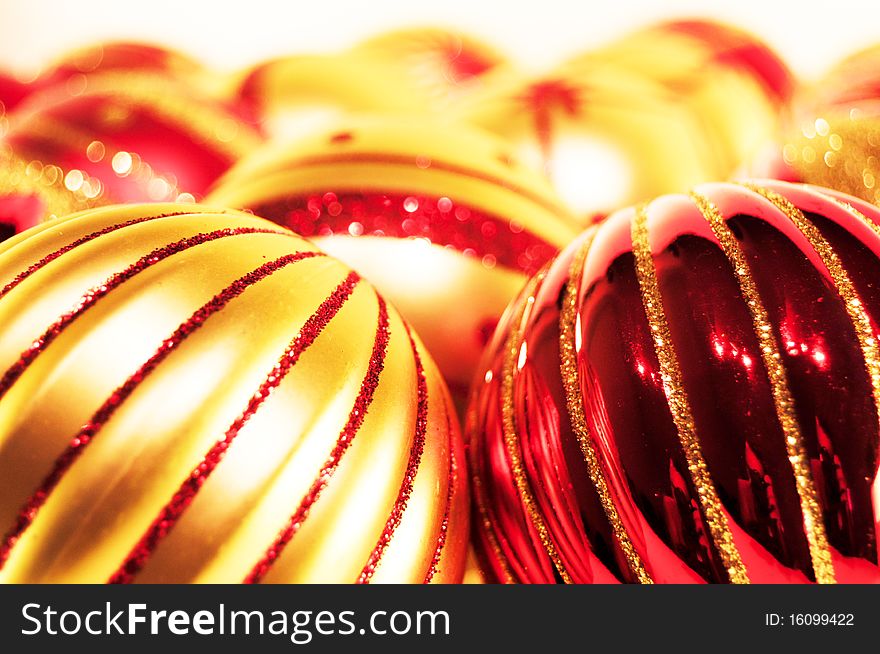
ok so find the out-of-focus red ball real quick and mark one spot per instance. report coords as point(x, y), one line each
point(690, 392)
point(127, 137)
point(119, 56)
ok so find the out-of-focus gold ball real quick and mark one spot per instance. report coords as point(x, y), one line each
point(734, 85)
point(601, 137)
point(441, 218)
point(654, 112)
point(442, 65)
point(295, 95)
point(196, 395)
point(834, 140)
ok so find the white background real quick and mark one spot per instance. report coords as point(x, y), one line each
point(810, 34)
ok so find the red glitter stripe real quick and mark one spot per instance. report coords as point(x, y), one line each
point(412, 467)
point(450, 493)
point(87, 433)
point(90, 298)
point(180, 501)
point(70, 246)
point(346, 436)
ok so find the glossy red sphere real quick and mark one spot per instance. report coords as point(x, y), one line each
point(689, 393)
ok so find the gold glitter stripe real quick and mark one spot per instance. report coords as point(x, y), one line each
point(843, 284)
point(568, 367)
point(783, 400)
point(682, 416)
point(858, 215)
point(512, 351)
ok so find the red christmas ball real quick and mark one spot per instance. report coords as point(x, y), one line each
point(121, 56)
point(690, 393)
point(129, 137)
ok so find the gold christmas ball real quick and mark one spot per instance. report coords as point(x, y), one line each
point(196, 395)
point(441, 64)
point(654, 112)
point(292, 96)
point(601, 137)
point(441, 218)
point(734, 85)
point(834, 141)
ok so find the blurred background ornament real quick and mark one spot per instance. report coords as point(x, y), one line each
point(31, 193)
point(407, 72)
point(190, 395)
point(690, 393)
point(442, 65)
point(129, 137)
point(296, 95)
point(120, 56)
point(12, 91)
point(441, 218)
point(659, 110)
point(601, 138)
point(736, 87)
point(834, 139)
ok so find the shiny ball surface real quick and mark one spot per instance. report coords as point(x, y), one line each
point(689, 393)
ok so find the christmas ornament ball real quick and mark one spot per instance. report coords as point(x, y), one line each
point(296, 95)
point(602, 138)
point(120, 56)
point(441, 64)
point(834, 140)
point(196, 395)
point(12, 91)
point(440, 217)
point(735, 86)
point(689, 393)
point(122, 136)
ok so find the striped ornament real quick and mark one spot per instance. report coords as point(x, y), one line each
point(689, 393)
point(195, 395)
point(442, 219)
